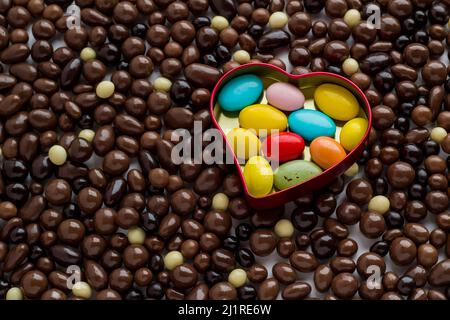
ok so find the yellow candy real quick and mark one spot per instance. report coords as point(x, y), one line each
point(352, 133)
point(336, 101)
point(258, 176)
point(263, 119)
point(244, 142)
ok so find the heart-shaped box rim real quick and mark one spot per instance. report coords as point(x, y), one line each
point(281, 197)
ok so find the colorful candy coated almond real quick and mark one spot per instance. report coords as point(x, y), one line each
point(285, 96)
point(240, 92)
point(264, 119)
point(258, 176)
point(352, 133)
point(336, 101)
point(326, 152)
point(294, 172)
point(283, 146)
point(311, 124)
point(245, 143)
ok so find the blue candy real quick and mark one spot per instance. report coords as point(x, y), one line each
point(240, 92)
point(311, 124)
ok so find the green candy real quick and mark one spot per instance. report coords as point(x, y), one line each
point(294, 172)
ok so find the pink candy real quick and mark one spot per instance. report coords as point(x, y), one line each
point(285, 96)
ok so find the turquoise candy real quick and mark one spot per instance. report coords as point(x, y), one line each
point(240, 92)
point(311, 124)
point(295, 172)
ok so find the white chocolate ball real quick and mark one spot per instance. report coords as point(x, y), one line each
point(136, 235)
point(219, 23)
point(379, 204)
point(220, 201)
point(82, 289)
point(57, 155)
point(162, 84)
point(241, 56)
point(350, 66)
point(173, 259)
point(87, 134)
point(352, 17)
point(284, 228)
point(105, 89)
point(14, 293)
point(352, 171)
point(278, 20)
point(237, 278)
point(87, 54)
point(438, 134)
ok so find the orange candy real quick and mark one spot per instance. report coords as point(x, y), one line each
point(326, 152)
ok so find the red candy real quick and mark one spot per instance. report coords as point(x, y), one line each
point(290, 146)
